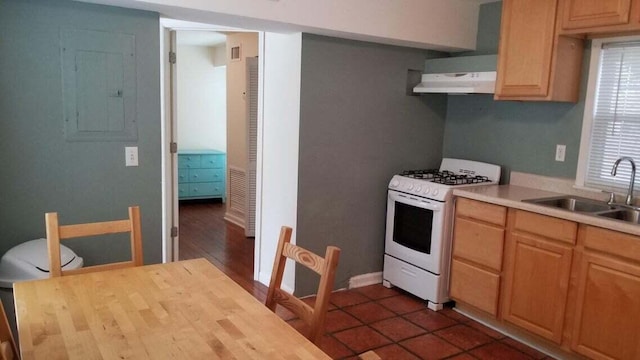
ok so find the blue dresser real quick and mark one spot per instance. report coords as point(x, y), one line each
point(201, 174)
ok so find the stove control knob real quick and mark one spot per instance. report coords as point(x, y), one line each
point(426, 191)
point(410, 187)
point(435, 192)
point(395, 183)
point(419, 189)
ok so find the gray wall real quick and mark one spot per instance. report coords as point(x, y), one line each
point(357, 129)
point(520, 136)
point(83, 181)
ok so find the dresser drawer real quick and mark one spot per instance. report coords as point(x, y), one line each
point(212, 161)
point(205, 175)
point(188, 161)
point(183, 176)
point(183, 190)
point(206, 189)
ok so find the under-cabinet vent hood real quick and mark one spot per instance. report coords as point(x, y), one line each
point(458, 83)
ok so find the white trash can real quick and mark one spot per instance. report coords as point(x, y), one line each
point(29, 261)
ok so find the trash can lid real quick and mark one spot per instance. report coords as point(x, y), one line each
point(30, 260)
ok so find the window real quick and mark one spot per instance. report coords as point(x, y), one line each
point(611, 126)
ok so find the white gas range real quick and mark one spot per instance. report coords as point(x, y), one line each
point(419, 222)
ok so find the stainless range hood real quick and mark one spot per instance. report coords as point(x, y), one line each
point(459, 75)
point(458, 83)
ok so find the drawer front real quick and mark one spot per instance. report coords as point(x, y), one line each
point(494, 214)
point(183, 176)
point(212, 161)
point(206, 175)
point(188, 161)
point(475, 286)
point(479, 243)
point(206, 189)
point(183, 190)
point(550, 227)
point(612, 242)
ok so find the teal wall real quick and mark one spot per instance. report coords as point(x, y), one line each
point(358, 128)
point(83, 181)
point(520, 136)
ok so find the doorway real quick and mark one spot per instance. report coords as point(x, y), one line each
point(208, 99)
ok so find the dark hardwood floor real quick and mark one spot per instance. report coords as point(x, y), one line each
point(205, 233)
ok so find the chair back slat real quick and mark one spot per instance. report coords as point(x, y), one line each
point(56, 233)
point(304, 257)
point(326, 267)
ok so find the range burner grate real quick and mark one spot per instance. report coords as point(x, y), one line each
point(444, 177)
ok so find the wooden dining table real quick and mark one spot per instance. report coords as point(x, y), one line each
point(180, 310)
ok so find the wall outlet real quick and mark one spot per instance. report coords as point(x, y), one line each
point(560, 152)
point(131, 155)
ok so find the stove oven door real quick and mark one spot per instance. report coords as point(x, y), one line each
point(415, 228)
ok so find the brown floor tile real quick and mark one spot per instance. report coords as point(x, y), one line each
point(395, 352)
point(334, 348)
point(485, 329)
point(402, 304)
point(454, 314)
point(311, 301)
point(337, 320)
point(397, 328)
point(299, 325)
point(524, 348)
point(463, 356)
point(361, 339)
point(369, 312)
point(377, 291)
point(347, 298)
point(498, 351)
point(430, 320)
point(464, 337)
point(429, 346)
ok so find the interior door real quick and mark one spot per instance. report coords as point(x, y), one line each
point(173, 136)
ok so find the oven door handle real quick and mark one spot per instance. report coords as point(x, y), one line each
point(410, 200)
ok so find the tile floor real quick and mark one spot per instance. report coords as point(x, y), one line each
point(399, 326)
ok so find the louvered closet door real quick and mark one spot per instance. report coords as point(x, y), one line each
point(252, 145)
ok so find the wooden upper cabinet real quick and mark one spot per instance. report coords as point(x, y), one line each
point(533, 62)
point(578, 14)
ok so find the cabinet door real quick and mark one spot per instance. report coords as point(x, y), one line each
point(580, 14)
point(607, 319)
point(526, 45)
point(537, 281)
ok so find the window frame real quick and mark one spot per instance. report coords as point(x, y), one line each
point(589, 107)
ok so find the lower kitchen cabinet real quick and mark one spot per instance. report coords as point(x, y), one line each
point(537, 285)
point(607, 310)
point(478, 240)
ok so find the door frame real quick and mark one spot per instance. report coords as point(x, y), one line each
point(170, 209)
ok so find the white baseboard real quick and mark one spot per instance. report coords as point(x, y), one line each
point(365, 280)
point(234, 219)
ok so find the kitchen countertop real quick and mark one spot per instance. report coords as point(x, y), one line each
point(512, 196)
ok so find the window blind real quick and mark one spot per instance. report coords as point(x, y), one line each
point(616, 120)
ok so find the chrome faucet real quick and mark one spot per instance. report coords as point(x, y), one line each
point(633, 177)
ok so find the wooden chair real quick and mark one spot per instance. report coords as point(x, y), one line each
point(326, 268)
point(8, 348)
point(56, 232)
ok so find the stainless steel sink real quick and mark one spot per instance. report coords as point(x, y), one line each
point(628, 215)
point(573, 203)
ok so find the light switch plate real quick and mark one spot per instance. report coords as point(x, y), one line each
point(131, 155)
